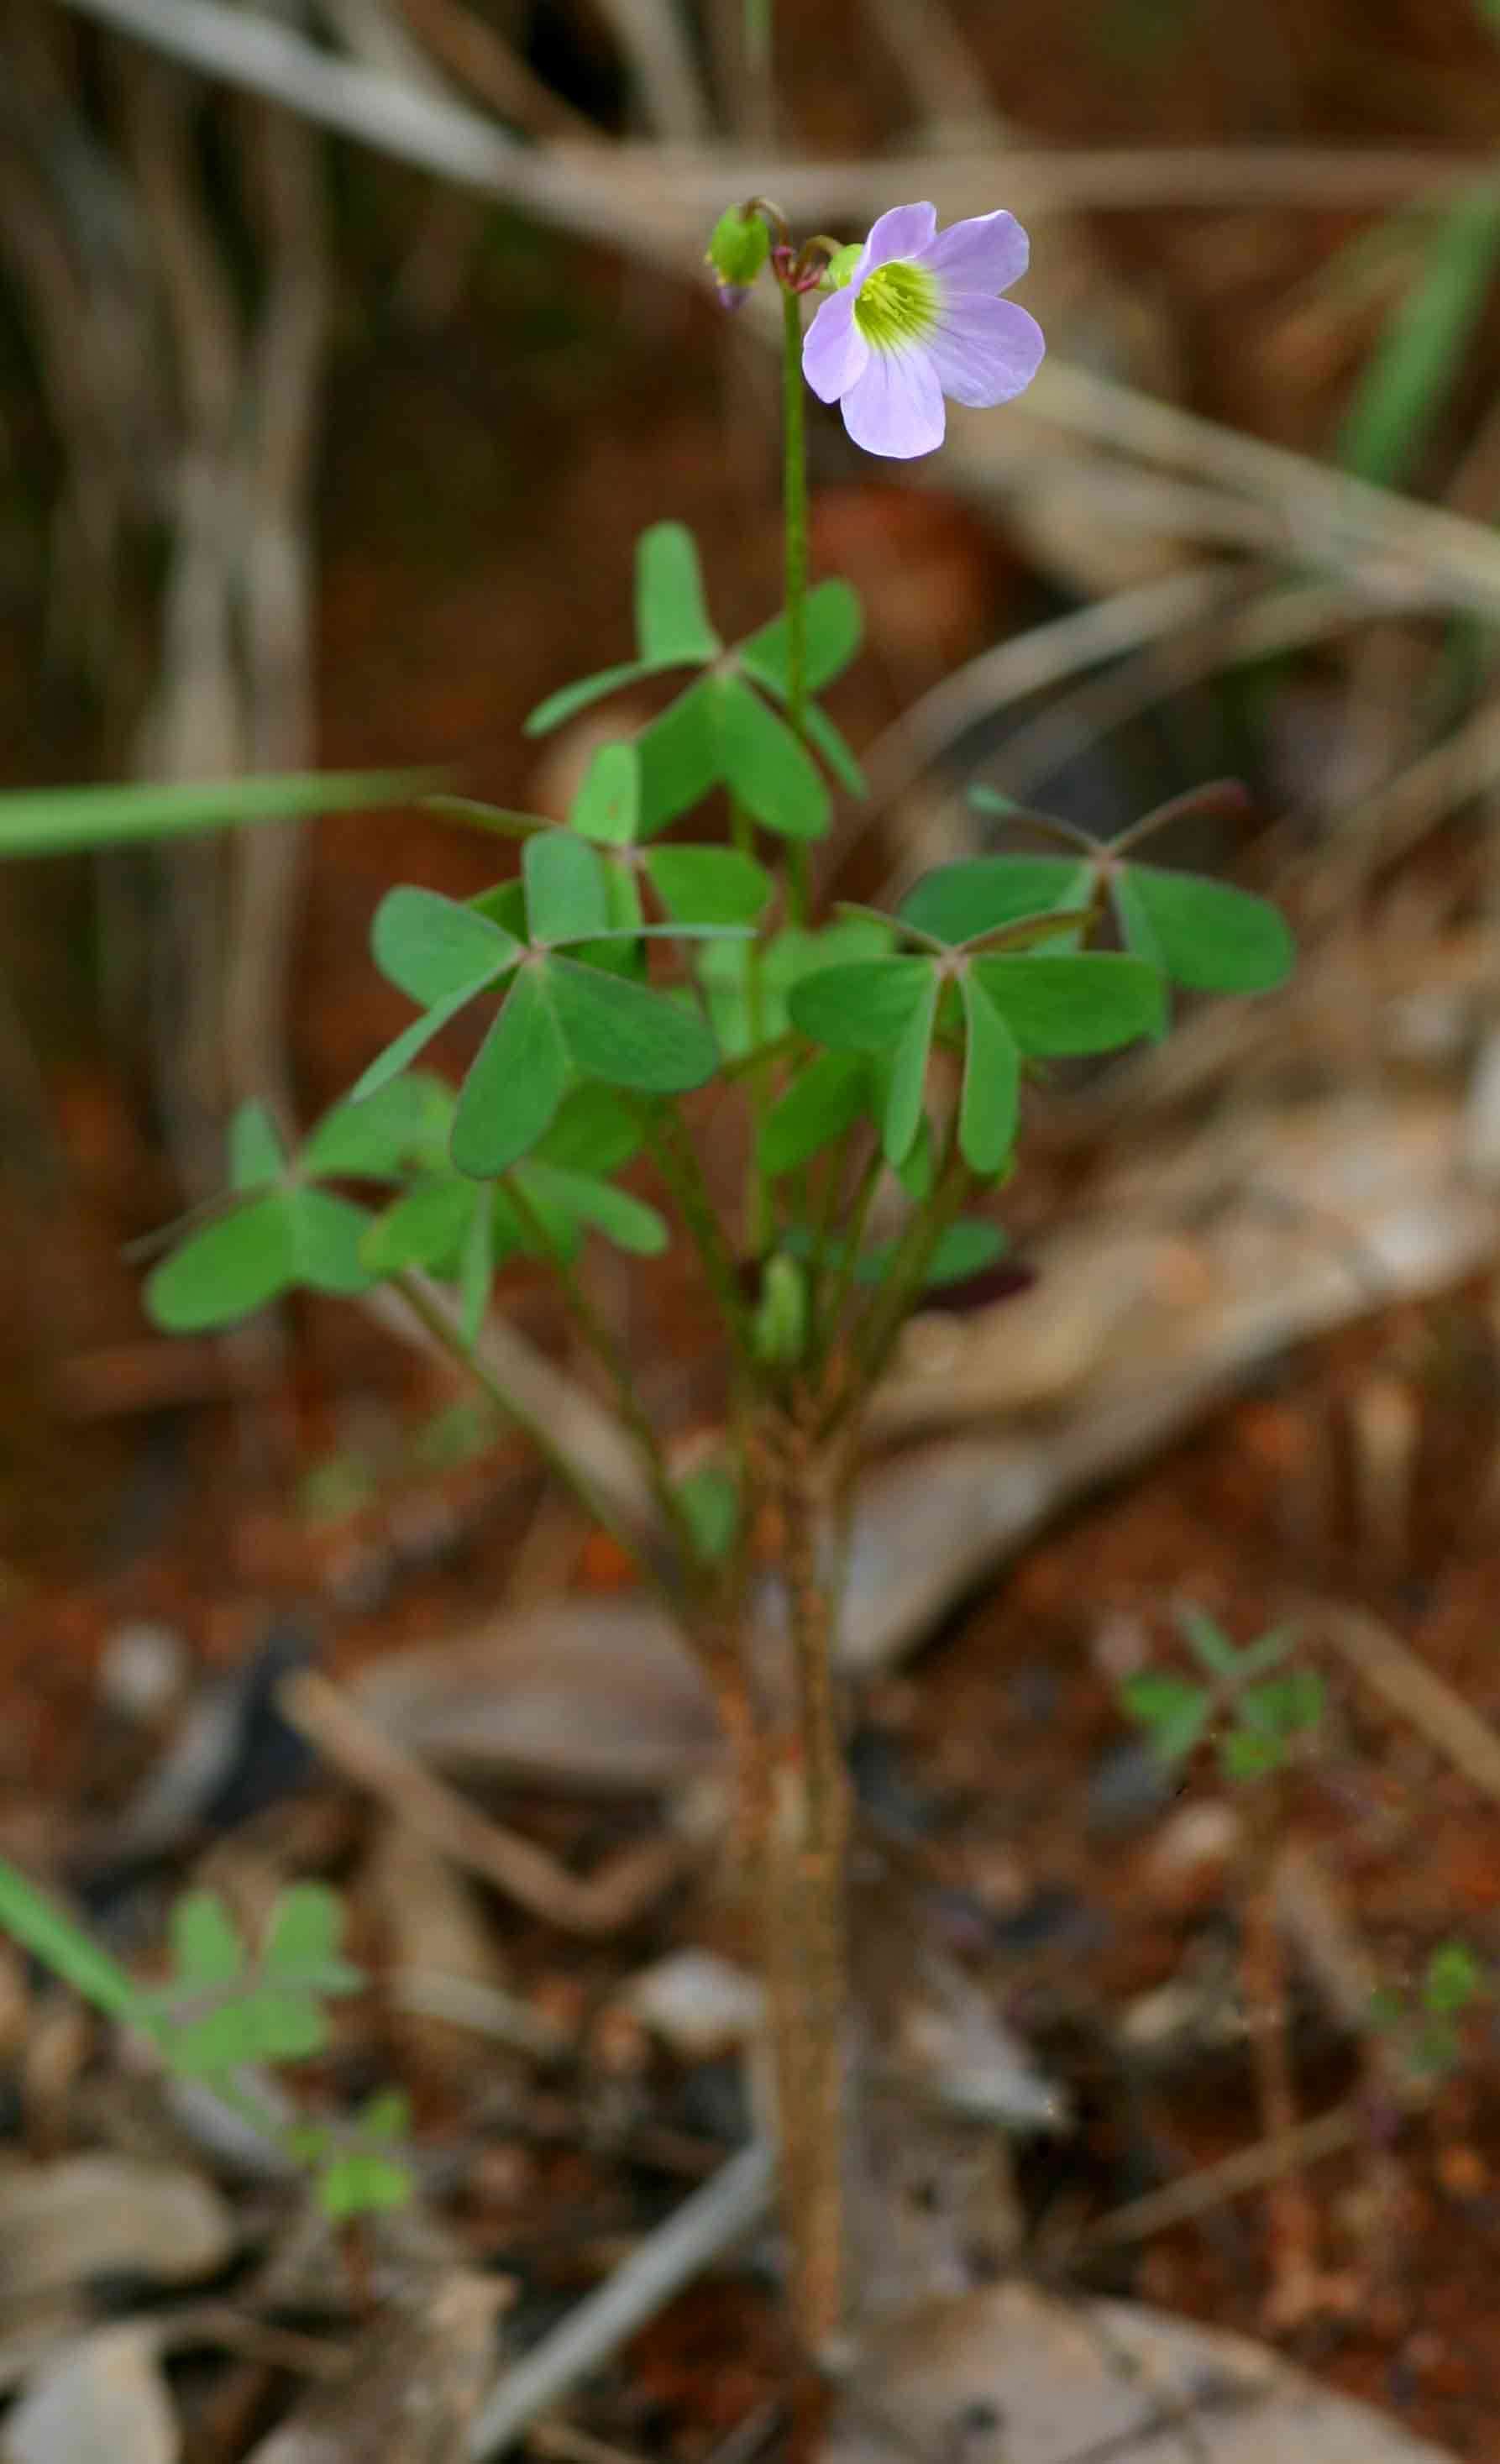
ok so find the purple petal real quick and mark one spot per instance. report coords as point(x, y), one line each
point(895, 408)
point(985, 350)
point(834, 351)
point(899, 232)
point(988, 253)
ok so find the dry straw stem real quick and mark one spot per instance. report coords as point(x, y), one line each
point(658, 196)
point(1407, 1686)
point(354, 1746)
point(1214, 2185)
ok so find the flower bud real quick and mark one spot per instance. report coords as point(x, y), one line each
point(738, 251)
point(841, 266)
point(780, 1321)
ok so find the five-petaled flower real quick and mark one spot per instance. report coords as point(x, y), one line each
point(918, 317)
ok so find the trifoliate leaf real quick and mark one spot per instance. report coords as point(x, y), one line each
point(515, 1080)
point(1206, 935)
point(1090, 1003)
point(672, 618)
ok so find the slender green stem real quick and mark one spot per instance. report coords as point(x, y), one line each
point(425, 1307)
point(605, 1345)
point(888, 1313)
point(858, 1217)
point(676, 1160)
point(758, 1195)
point(794, 499)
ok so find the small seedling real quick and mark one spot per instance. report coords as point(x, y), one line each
point(1427, 2024)
point(1256, 1719)
point(227, 2011)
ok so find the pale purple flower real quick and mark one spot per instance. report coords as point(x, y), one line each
point(919, 317)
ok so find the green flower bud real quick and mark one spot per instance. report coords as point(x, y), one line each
point(737, 253)
point(841, 267)
point(780, 1321)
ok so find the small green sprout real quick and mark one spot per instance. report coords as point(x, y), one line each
point(1428, 2023)
point(1258, 1716)
point(226, 2009)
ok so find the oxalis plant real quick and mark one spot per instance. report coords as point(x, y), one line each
point(629, 985)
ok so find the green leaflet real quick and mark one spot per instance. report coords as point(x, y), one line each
point(1206, 935)
point(835, 626)
point(626, 1035)
point(908, 1079)
point(864, 1006)
point(708, 885)
point(1090, 1003)
point(228, 1270)
point(515, 1080)
point(607, 806)
point(820, 1106)
point(433, 948)
point(764, 765)
point(672, 618)
point(960, 900)
point(568, 897)
point(256, 1155)
point(989, 1106)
